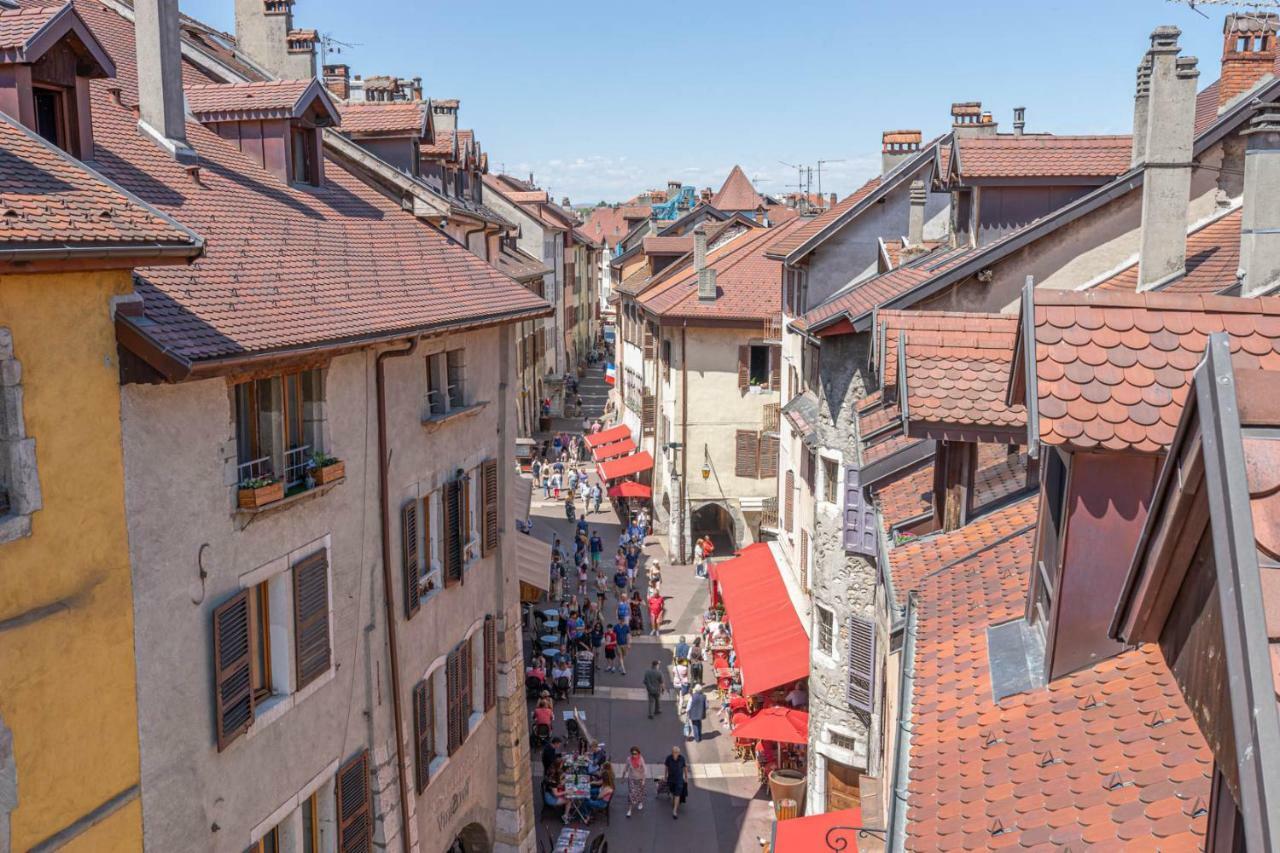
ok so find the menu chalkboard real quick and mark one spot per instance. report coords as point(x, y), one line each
point(584, 675)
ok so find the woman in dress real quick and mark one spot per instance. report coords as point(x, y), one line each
point(635, 772)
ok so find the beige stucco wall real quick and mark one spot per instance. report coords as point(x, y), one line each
point(180, 474)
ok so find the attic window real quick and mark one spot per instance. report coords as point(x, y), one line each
point(51, 115)
point(303, 161)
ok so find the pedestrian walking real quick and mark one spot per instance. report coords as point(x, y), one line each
point(654, 684)
point(697, 713)
point(635, 773)
point(596, 494)
point(622, 633)
point(597, 549)
point(696, 659)
point(677, 780)
point(610, 649)
point(680, 683)
point(620, 583)
point(656, 607)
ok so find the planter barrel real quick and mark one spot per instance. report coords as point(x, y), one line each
point(787, 785)
point(261, 496)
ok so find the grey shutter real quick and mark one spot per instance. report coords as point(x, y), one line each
point(862, 662)
point(409, 555)
point(859, 516)
point(232, 688)
point(355, 829)
point(453, 536)
point(424, 727)
point(311, 617)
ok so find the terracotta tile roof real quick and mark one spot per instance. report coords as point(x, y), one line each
point(284, 267)
point(668, 245)
point(737, 193)
point(389, 117)
point(212, 102)
point(1206, 107)
point(1077, 764)
point(1213, 258)
point(1009, 156)
point(519, 264)
point(48, 199)
point(819, 223)
point(959, 377)
point(938, 329)
point(906, 497)
point(878, 418)
point(17, 26)
point(447, 103)
point(914, 560)
point(885, 445)
point(864, 296)
point(442, 147)
point(999, 474)
point(1113, 369)
point(872, 400)
point(748, 284)
point(608, 224)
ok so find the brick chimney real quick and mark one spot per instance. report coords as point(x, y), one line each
point(706, 276)
point(1166, 182)
point(1260, 215)
point(337, 79)
point(1141, 107)
point(896, 146)
point(968, 119)
point(1248, 53)
point(161, 105)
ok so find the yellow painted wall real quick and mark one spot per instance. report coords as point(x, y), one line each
point(67, 685)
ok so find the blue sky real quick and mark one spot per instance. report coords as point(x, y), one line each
point(600, 101)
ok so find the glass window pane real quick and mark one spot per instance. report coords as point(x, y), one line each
point(310, 844)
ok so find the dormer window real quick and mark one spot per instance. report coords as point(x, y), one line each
point(45, 70)
point(303, 160)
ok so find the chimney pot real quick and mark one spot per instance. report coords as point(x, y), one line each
point(1141, 110)
point(896, 146)
point(1019, 120)
point(915, 216)
point(1248, 53)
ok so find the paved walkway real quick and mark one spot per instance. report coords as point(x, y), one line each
point(728, 810)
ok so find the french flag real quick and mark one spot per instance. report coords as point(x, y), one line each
point(610, 374)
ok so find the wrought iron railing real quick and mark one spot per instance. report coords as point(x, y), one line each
point(840, 838)
point(295, 465)
point(773, 329)
point(769, 514)
point(255, 469)
point(772, 416)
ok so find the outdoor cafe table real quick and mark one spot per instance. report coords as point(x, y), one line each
point(572, 840)
point(551, 613)
point(577, 790)
point(549, 641)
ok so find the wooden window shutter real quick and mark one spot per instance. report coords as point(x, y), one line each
point(804, 559)
point(489, 499)
point(424, 729)
point(746, 449)
point(464, 489)
point(490, 662)
point(453, 540)
point(355, 827)
point(744, 368)
point(232, 686)
point(768, 456)
point(311, 617)
point(648, 413)
point(467, 689)
point(775, 368)
point(860, 529)
point(788, 501)
point(453, 701)
point(862, 662)
point(648, 341)
point(409, 555)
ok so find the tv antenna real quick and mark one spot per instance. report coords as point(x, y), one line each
point(820, 162)
point(329, 44)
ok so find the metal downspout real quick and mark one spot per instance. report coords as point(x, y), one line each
point(384, 522)
point(684, 439)
point(897, 834)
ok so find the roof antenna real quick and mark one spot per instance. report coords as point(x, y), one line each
point(329, 43)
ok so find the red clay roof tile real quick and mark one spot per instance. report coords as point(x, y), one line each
point(737, 193)
point(1011, 156)
point(819, 223)
point(389, 117)
point(1213, 258)
point(235, 101)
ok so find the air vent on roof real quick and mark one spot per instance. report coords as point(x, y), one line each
point(1015, 656)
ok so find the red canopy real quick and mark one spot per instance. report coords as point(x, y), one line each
point(625, 466)
point(606, 436)
point(772, 647)
point(823, 831)
point(617, 448)
point(778, 723)
point(630, 489)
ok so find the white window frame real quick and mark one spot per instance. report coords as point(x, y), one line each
point(278, 575)
point(819, 611)
point(821, 479)
point(475, 639)
point(440, 701)
point(288, 815)
point(472, 545)
point(435, 529)
point(438, 384)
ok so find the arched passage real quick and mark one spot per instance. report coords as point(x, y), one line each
point(713, 520)
point(472, 839)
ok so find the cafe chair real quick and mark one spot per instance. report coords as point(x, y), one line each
point(539, 735)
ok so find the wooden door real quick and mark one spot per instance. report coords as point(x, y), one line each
point(843, 791)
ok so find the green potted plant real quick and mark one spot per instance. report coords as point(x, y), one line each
point(326, 468)
point(259, 491)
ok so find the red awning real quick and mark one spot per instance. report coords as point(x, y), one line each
point(772, 646)
point(611, 451)
point(827, 831)
point(778, 723)
point(625, 466)
point(606, 436)
point(630, 489)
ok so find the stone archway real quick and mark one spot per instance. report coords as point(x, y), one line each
point(472, 839)
point(715, 520)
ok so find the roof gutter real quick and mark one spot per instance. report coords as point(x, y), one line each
point(895, 842)
point(175, 368)
point(149, 252)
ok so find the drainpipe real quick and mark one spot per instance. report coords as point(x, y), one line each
point(684, 437)
point(897, 825)
point(384, 522)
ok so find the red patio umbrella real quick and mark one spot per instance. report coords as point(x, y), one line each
point(778, 723)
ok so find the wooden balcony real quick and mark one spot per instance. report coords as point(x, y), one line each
point(772, 416)
point(773, 330)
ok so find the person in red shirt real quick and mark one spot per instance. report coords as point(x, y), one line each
point(656, 606)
